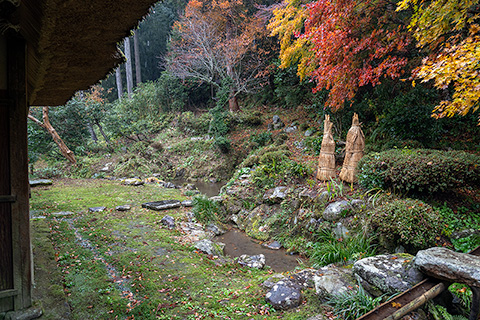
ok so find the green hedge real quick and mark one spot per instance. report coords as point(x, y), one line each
point(411, 223)
point(418, 170)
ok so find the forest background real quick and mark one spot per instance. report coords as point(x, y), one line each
point(409, 69)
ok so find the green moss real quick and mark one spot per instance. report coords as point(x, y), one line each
point(167, 278)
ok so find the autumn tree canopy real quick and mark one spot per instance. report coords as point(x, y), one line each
point(342, 44)
point(450, 32)
point(213, 42)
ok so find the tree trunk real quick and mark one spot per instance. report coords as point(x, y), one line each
point(118, 76)
point(93, 135)
point(100, 128)
point(67, 153)
point(128, 66)
point(138, 67)
point(233, 104)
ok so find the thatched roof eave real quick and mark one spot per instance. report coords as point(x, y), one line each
point(72, 44)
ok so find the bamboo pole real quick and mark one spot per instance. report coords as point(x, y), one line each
point(418, 302)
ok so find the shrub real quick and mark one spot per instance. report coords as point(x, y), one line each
point(204, 209)
point(411, 223)
point(418, 170)
point(261, 139)
point(251, 118)
point(224, 144)
point(190, 123)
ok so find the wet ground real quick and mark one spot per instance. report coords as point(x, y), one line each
point(238, 243)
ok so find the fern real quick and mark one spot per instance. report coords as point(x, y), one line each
point(440, 313)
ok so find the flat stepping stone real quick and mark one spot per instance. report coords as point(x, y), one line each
point(40, 182)
point(97, 209)
point(162, 205)
point(133, 182)
point(125, 207)
point(187, 203)
point(62, 213)
point(445, 264)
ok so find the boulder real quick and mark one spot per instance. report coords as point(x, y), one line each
point(270, 282)
point(257, 222)
point(387, 274)
point(124, 207)
point(298, 144)
point(309, 132)
point(255, 261)
point(333, 280)
point(307, 194)
point(194, 231)
point(275, 195)
point(132, 182)
point(40, 182)
point(169, 185)
point(190, 216)
point(274, 245)
point(215, 229)
point(337, 210)
point(449, 265)
point(162, 205)
point(168, 221)
point(357, 204)
point(210, 247)
point(277, 123)
point(97, 209)
point(323, 196)
point(284, 295)
point(218, 199)
point(304, 278)
point(291, 129)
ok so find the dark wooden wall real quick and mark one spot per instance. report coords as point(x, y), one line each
point(6, 269)
point(15, 250)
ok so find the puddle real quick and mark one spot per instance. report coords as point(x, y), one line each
point(207, 188)
point(238, 243)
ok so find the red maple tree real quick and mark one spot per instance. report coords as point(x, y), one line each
point(355, 43)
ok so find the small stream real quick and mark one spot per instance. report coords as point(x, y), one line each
point(207, 188)
point(238, 243)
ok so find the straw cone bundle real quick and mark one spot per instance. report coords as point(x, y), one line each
point(354, 151)
point(326, 160)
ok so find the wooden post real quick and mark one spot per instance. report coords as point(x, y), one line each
point(18, 160)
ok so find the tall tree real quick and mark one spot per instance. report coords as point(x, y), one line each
point(450, 33)
point(128, 67)
point(343, 44)
point(213, 42)
point(138, 66)
point(118, 77)
point(66, 152)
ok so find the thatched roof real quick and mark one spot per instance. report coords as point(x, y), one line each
point(71, 44)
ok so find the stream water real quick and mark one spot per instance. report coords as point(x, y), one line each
point(238, 243)
point(207, 188)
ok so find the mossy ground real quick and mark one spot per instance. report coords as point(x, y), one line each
point(126, 265)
